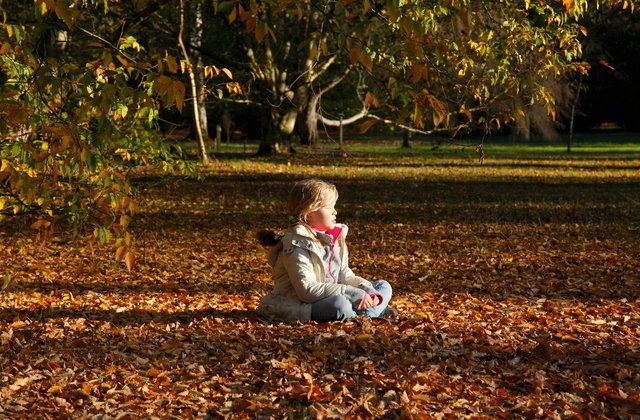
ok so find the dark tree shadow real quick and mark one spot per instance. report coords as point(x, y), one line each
point(228, 287)
point(135, 317)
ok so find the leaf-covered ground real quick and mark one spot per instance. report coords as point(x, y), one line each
point(518, 285)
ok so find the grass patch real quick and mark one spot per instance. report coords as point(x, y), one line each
point(599, 145)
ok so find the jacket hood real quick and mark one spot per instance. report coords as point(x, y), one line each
point(303, 231)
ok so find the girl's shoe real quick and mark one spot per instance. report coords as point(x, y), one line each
point(388, 314)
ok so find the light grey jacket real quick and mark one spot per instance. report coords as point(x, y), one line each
point(300, 278)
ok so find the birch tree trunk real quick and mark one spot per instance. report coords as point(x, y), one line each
point(195, 37)
point(194, 90)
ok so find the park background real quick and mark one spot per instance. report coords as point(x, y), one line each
point(488, 168)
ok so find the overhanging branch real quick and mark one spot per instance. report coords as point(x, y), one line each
point(347, 121)
point(416, 130)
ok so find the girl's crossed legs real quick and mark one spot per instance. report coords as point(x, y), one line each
point(339, 308)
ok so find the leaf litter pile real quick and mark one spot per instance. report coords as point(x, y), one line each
point(517, 282)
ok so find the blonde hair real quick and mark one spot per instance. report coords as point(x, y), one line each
point(309, 195)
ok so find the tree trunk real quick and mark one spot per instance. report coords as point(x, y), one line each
point(279, 109)
point(573, 115)
point(307, 123)
point(194, 90)
point(195, 38)
point(308, 129)
point(276, 131)
point(293, 109)
point(406, 139)
point(227, 125)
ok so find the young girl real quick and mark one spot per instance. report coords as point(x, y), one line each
point(311, 271)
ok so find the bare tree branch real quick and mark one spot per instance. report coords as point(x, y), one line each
point(350, 120)
point(335, 81)
point(320, 69)
point(115, 47)
point(416, 130)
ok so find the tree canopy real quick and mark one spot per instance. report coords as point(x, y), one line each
point(79, 110)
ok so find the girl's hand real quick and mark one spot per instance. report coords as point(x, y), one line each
point(368, 301)
point(376, 300)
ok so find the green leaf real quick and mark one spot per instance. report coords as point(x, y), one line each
point(225, 5)
point(102, 235)
point(7, 281)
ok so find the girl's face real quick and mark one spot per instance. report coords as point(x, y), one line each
point(323, 219)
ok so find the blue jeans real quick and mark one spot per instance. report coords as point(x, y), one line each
point(340, 308)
